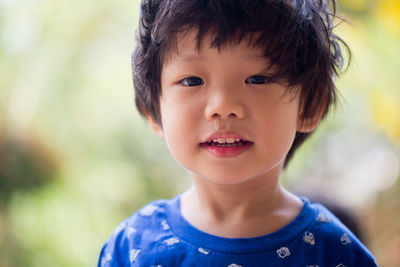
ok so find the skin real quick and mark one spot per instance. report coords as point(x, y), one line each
point(240, 195)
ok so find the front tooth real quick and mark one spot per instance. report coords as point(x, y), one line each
point(230, 140)
point(221, 140)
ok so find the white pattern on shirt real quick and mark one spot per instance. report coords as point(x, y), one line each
point(164, 225)
point(345, 239)
point(283, 252)
point(204, 251)
point(323, 217)
point(133, 253)
point(148, 210)
point(130, 231)
point(309, 238)
point(171, 241)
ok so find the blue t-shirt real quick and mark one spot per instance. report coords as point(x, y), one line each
point(158, 236)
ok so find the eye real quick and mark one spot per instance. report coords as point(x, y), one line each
point(258, 79)
point(192, 81)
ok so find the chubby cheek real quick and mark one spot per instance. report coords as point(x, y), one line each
point(280, 132)
point(180, 131)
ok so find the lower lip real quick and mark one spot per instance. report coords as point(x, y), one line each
point(226, 152)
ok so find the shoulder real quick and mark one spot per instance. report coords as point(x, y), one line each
point(143, 229)
point(335, 242)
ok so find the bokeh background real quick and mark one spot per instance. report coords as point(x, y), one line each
point(76, 158)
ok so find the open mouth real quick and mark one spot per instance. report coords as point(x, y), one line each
point(227, 142)
point(226, 145)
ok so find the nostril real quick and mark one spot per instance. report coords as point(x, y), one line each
point(221, 115)
point(224, 110)
point(232, 115)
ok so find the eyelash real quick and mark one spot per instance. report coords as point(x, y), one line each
point(258, 79)
point(197, 81)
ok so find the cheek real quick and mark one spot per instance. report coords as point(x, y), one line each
point(279, 127)
point(180, 112)
point(179, 127)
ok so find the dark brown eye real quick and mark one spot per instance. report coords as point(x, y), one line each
point(258, 79)
point(192, 81)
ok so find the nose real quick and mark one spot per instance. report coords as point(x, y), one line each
point(224, 103)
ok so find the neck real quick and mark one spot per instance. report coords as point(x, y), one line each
point(223, 209)
point(228, 200)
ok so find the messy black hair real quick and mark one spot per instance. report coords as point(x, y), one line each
point(296, 36)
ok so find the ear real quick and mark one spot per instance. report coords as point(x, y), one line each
point(310, 124)
point(307, 125)
point(154, 126)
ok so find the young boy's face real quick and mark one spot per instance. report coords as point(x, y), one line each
point(225, 94)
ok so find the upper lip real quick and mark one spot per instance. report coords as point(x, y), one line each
point(225, 135)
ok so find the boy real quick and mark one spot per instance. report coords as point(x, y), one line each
point(234, 87)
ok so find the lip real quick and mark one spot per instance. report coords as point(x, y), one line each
point(226, 151)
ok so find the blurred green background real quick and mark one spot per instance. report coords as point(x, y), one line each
point(76, 158)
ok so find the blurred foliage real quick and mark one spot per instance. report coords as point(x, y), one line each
point(24, 165)
point(76, 158)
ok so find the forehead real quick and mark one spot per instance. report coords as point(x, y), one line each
point(189, 47)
